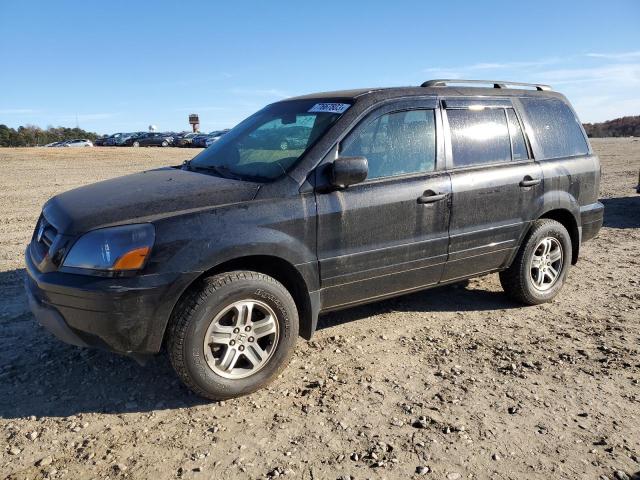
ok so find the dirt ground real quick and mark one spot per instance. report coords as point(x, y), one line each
point(456, 382)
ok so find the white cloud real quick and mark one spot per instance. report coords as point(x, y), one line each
point(268, 92)
point(601, 86)
point(202, 109)
point(18, 111)
point(88, 117)
point(456, 71)
point(615, 56)
point(627, 74)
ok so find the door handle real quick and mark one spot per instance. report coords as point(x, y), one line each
point(529, 181)
point(431, 197)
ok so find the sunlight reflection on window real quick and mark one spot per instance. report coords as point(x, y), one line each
point(484, 131)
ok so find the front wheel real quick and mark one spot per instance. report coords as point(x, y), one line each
point(233, 334)
point(136, 144)
point(165, 143)
point(540, 268)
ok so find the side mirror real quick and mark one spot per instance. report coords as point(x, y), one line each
point(347, 171)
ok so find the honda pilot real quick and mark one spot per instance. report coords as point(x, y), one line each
point(227, 259)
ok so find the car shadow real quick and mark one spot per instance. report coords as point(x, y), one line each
point(450, 298)
point(622, 212)
point(41, 376)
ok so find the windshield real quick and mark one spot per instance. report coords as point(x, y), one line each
point(267, 144)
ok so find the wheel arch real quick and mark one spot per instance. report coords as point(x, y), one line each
point(280, 269)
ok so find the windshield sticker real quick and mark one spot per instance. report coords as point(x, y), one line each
point(329, 108)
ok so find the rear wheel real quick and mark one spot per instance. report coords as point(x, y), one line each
point(165, 143)
point(233, 334)
point(136, 144)
point(540, 268)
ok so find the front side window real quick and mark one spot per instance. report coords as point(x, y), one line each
point(479, 136)
point(266, 145)
point(555, 127)
point(396, 143)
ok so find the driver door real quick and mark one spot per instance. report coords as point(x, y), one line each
point(388, 234)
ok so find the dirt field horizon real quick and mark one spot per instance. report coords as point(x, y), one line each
point(452, 383)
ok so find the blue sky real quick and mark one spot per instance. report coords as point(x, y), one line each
point(123, 65)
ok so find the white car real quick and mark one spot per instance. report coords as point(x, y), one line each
point(78, 143)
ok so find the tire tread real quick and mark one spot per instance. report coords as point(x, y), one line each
point(193, 300)
point(513, 278)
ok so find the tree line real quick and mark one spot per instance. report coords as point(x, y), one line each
point(619, 127)
point(32, 136)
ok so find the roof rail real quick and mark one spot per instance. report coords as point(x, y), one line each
point(496, 83)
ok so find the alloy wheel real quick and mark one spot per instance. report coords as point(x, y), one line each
point(241, 339)
point(546, 263)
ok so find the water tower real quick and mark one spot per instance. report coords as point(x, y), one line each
point(194, 120)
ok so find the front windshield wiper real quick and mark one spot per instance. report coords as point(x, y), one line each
point(224, 172)
point(219, 170)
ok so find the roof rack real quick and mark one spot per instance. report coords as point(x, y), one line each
point(496, 83)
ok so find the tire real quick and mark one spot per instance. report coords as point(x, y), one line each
point(165, 143)
point(521, 281)
point(201, 367)
point(135, 144)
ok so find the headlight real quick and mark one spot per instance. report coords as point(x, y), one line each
point(113, 249)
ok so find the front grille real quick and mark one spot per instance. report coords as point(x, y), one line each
point(43, 237)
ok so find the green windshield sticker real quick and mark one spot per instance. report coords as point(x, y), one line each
point(329, 108)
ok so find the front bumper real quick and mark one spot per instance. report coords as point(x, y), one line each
point(127, 315)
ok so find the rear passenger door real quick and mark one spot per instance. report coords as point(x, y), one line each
point(495, 182)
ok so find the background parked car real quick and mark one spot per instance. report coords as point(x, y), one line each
point(153, 139)
point(106, 140)
point(201, 139)
point(214, 137)
point(99, 142)
point(78, 143)
point(113, 139)
point(295, 137)
point(127, 139)
point(184, 139)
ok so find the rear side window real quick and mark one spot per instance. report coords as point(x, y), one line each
point(479, 136)
point(396, 143)
point(556, 128)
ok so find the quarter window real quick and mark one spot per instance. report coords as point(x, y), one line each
point(555, 127)
point(396, 143)
point(479, 136)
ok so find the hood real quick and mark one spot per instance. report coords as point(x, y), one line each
point(142, 197)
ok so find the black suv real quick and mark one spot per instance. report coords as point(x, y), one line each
point(228, 258)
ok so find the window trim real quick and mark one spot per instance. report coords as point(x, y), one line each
point(390, 110)
point(458, 103)
point(524, 135)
